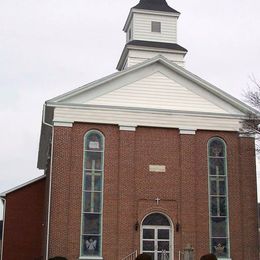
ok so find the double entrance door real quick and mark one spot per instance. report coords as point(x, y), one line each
point(157, 241)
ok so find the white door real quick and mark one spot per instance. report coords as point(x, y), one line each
point(156, 240)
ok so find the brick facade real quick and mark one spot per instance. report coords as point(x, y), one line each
point(130, 189)
point(24, 223)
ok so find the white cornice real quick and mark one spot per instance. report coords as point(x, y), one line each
point(187, 123)
point(142, 110)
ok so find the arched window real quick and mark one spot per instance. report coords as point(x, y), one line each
point(157, 237)
point(156, 219)
point(218, 198)
point(92, 194)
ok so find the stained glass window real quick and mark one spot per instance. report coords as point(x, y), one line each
point(218, 198)
point(92, 194)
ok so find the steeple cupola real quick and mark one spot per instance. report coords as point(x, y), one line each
point(151, 29)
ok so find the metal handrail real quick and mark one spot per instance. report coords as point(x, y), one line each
point(131, 256)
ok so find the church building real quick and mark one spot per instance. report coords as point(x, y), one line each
point(149, 159)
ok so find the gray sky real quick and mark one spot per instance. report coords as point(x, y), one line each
point(48, 47)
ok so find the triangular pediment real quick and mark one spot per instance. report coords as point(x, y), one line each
point(157, 91)
point(156, 84)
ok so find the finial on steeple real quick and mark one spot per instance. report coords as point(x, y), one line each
point(156, 5)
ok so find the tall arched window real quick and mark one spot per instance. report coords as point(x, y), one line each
point(218, 198)
point(92, 194)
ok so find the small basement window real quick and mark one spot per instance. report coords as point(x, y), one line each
point(156, 26)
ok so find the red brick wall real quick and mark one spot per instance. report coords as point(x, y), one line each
point(130, 189)
point(24, 227)
point(248, 199)
point(60, 191)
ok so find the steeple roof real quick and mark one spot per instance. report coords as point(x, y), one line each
point(155, 5)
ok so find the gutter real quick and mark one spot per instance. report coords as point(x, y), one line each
point(2, 246)
point(50, 183)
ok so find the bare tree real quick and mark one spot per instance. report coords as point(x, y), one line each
point(251, 124)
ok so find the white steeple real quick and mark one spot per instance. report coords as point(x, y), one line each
point(151, 29)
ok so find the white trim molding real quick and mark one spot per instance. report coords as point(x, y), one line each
point(150, 118)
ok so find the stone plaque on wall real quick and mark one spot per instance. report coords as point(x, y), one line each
point(157, 168)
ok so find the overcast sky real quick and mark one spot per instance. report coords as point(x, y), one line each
point(48, 47)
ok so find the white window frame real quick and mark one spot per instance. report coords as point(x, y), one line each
point(171, 232)
point(82, 256)
point(209, 195)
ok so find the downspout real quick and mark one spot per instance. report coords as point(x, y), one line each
point(43, 117)
point(2, 246)
point(50, 184)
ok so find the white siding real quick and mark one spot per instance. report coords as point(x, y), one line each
point(142, 28)
point(135, 118)
point(159, 92)
point(132, 32)
point(138, 56)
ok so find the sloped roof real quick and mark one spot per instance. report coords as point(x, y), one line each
point(164, 45)
point(155, 5)
point(3, 194)
point(172, 47)
point(170, 65)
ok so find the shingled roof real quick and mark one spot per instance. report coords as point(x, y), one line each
point(164, 45)
point(156, 5)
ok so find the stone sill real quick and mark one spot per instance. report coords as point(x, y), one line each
point(91, 258)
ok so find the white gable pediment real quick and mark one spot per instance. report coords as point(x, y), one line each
point(155, 84)
point(157, 91)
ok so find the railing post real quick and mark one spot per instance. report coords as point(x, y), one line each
point(180, 255)
point(188, 252)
